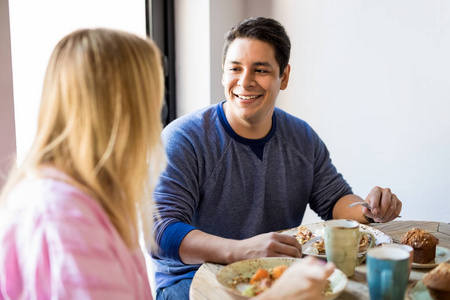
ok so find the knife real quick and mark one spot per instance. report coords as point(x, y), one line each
point(309, 243)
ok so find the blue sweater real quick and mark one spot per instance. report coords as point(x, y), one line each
point(232, 187)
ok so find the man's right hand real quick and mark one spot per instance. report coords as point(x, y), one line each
point(271, 244)
point(198, 247)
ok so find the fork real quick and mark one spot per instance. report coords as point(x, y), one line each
point(365, 204)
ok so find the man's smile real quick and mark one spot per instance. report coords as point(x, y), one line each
point(247, 97)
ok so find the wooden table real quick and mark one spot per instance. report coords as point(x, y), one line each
point(205, 286)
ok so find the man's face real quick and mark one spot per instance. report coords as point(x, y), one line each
point(251, 79)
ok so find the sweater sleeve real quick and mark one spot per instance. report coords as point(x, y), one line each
point(177, 191)
point(172, 238)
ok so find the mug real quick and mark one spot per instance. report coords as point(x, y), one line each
point(387, 273)
point(342, 238)
point(407, 248)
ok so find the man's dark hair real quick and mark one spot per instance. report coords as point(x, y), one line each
point(263, 29)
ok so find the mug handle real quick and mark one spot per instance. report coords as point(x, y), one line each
point(386, 282)
point(371, 245)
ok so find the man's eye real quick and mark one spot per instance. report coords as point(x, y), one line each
point(234, 69)
point(261, 71)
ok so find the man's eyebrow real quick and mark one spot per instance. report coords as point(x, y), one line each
point(262, 63)
point(255, 64)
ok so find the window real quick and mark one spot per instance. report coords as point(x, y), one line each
point(160, 27)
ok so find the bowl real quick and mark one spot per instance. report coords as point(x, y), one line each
point(246, 268)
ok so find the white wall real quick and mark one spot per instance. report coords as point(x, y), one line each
point(36, 27)
point(371, 77)
point(191, 33)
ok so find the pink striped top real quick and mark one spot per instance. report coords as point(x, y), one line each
point(57, 242)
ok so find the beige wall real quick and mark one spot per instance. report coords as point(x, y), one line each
point(7, 126)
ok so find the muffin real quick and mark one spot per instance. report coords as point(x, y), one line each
point(438, 281)
point(423, 243)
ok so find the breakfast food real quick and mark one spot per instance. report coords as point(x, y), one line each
point(424, 245)
point(263, 279)
point(438, 281)
point(364, 243)
point(260, 281)
point(304, 235)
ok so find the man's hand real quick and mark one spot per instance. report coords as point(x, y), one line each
point(271, 244)
point(385, 206)
point(198, 247)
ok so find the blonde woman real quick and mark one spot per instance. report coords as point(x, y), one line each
point(70, 214)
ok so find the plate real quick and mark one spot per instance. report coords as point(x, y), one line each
point(318, 228)
point(442, 255)
point(419, 292)
point(246, 268)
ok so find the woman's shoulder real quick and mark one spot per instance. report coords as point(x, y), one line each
point(52, 196)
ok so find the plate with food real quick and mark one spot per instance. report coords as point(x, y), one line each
point(305, 233)
point(427, 253)
point(419, 291)
point(442, 255)
point(248, 278)
point(434, 284)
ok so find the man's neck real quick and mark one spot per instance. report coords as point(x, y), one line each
point(249, 130)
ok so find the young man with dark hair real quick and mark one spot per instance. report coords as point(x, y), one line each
point(240, 170)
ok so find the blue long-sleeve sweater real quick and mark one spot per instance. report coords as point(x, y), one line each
point(232, 187)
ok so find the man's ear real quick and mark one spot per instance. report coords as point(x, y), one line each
point(285, 77)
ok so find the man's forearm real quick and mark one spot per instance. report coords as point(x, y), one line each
point(198, 247)
point(342, 211)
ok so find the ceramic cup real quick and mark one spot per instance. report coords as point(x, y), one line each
point(387, 273)
point(342, 239)
point(407, 248)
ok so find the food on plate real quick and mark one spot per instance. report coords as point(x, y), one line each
point(320, 246)
point(263, 279)
point(304, 235)
point(438, 281)
point(424, 245)
point(328, 290)
point(260, 281)
point(364, 243)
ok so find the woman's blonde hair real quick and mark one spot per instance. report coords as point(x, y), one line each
point(100, 123)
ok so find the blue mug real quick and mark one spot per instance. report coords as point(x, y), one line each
point(387, 273)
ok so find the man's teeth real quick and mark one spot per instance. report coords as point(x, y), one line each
point(247, 97)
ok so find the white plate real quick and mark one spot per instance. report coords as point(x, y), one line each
point(419, 292)
point(442, 255)
point(318, 228)
point(338, 280)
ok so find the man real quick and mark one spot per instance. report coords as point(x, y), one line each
point(241, 170)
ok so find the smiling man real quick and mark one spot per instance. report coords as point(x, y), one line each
point(240, 170)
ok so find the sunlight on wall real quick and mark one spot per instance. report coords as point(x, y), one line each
point(36, 27)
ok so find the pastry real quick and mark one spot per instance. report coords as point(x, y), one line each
point(423, 243)
point(438, 281)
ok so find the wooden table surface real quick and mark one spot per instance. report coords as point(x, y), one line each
point(205, 286)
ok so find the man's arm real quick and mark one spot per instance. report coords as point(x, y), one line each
point(342, 211)
point(198, 247)
point(385, 206)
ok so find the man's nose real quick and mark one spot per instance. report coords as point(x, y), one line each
point(246, 79)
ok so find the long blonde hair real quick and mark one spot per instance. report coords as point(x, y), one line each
point(100, 123)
